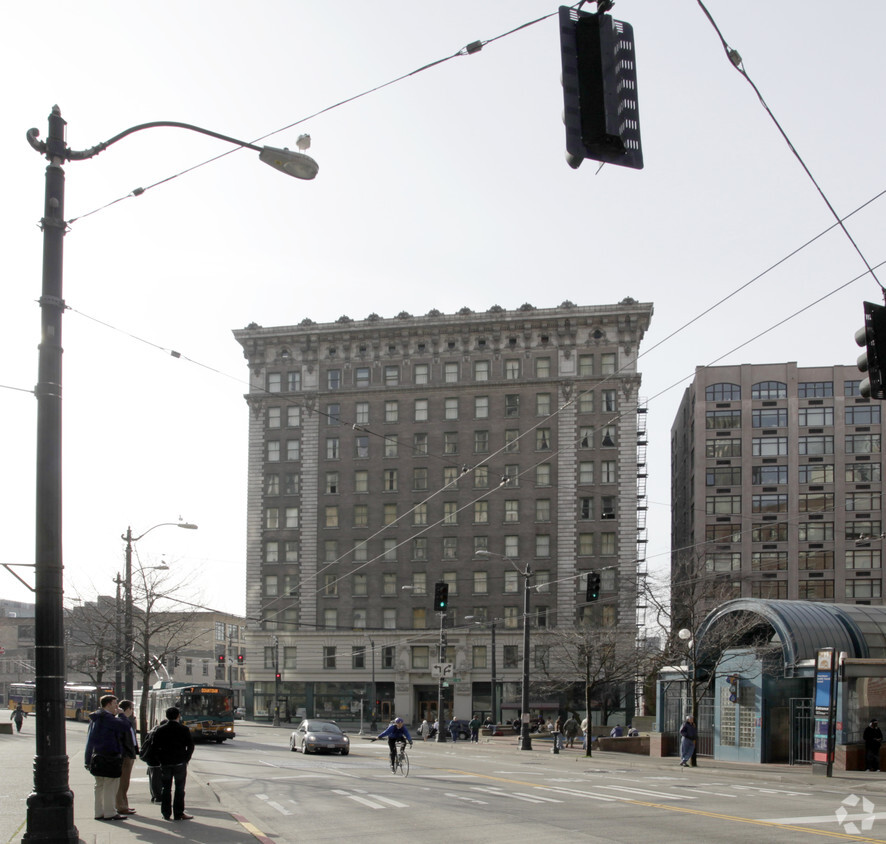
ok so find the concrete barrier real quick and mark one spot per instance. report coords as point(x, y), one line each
point(638, 745)
point(6, 728)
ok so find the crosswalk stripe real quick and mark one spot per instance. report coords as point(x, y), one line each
point(660, 794)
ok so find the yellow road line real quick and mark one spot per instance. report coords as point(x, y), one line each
point(844, 836)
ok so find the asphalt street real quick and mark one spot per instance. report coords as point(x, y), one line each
point(255, 789)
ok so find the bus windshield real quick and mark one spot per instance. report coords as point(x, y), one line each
point(212, 706)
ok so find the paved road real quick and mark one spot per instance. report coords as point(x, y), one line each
point(254, 789)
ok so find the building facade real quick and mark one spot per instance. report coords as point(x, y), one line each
point(386, 455)
point(776, 483)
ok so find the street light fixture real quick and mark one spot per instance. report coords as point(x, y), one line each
point(128, 635)
point(526, 574)
point(50, 814)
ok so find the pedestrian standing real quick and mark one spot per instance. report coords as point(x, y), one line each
point(130, 751)
point(453, 730)
point(585, 723)
point(173, 746)
point(873, 740)
point(17, 716)
point(570, 731)
point(103, 757)
point(688, 736)
point(424, 729)
point(474, 727)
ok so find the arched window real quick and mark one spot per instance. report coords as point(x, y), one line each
point(722, 392)
point(769, 390)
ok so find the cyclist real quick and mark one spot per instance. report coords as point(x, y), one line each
point(395, 732)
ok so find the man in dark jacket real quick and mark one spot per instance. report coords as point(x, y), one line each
point(130, 751)
point(105, 740)
point(173, 747)
point(873, 739)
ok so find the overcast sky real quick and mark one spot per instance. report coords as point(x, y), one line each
point(445, 190)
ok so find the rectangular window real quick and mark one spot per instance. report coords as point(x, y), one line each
point(542, 439)
point(330, 585)
point(450, 408)
point(419, 618)
point(723, 476)
point(607, 544)
point(290, 550)
point(769, 561)
point(481, 407)
point(421, 656)
point(773, 590)
point(863, 589)
point(389, 514)
point(543, 510)
point(419, 445)
point(478, 656)
point(542, 367)
point(815, 502)
point(420, 548)
point(291, 517)
point(481, 442)
point(333, 414)
point(862, 444)
point(358, 588)
point(332, 483)
point(607, 400)
point(450, 373)
point(272, 484)
point(361, 481)
point(815, 560)
point(512, 475)
point(730, 561)
point(481, 370)
point(332, 448)
point(542, 546)
point(816, 445)
point(392, 376)
point(332, 516)
point(769, 503)
point(389, 550)
point(389, 618)
point(767, 475)
point(272, 552)
point(329, 657)
point(293, 381)
point(450, 512)
point(359, 620)
point(607, 363)
point(333, 379)
point(358, 654)
point(421, 410)
point(330, 550)
point(450, 547)
point(585, 365)
point(817, 417)
point(330, 619)
point(293, 449)
point(542, 475)
point(512, 511)
point(391, 445)
point(511, 656)
point(361, 412)
point(512, 436)
point(511, 618)
point(272, 518)
point(271, 587)
point(586, 402)
point(420, 478)
point(450, 442)
point(586, 472)
point(722, 419)
point(768, 532)
point(767, 417)
point(390, 480)
point(512, 405)
point(863, 530)
point(816, 590)
point(815, 389)
point(817, 473)
point(274, 417)
point(607, 472)
point(868, 559)
point(863, 414)
point(419, 583)
point(586, 508)
point(481, 512)
point(361, 376)
point(388, 652)
point(815, 531)
point(481, 583)
point(769, 446)
point(274, 382)
point(512, 369)
point(542, 404)
point(863, 473)
point(585, 544)
point(857, 501)
point(293, 417)
point(273, 451)
point(512, 546)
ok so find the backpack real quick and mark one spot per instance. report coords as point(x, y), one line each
point(148, 753)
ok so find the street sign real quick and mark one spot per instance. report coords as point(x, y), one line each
point(442, 669)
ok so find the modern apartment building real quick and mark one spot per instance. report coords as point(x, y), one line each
point(776, 483)
point(386, 455)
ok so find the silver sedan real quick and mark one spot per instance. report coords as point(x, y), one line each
point(315, 736)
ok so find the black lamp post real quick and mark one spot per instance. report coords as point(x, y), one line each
point(50, 813)
point(526, 574)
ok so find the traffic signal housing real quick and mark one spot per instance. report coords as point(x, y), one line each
point(277, 676)
point(593, 588)
point(441, 597)
point(600, 108)
point(221, 659)
point(239, 659)
point(873, 360)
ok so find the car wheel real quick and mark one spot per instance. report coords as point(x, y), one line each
point(304, 749)
point(345, 751)
point(292, 746)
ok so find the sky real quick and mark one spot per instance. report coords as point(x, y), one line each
point(446, 189)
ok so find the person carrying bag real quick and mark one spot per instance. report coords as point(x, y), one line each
point(104, 757)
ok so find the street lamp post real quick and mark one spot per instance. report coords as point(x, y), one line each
point(128, 635)
point(374, 721)
point(50, 812)
point(526, 574)
point(276, 721)
point(685, 636)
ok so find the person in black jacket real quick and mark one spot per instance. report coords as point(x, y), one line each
point(173, 747)
point(873, 739)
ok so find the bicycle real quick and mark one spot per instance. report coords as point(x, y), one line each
point(401, 760)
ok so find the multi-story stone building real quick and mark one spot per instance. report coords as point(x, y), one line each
point(386, 455)
point(777, 485)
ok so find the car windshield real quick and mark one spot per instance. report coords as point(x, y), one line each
point(322, 727)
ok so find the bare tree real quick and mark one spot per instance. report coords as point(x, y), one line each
point(599, 661)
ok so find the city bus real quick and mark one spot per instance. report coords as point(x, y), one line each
point(24, 694)
point(81, 700)
point(208, 711)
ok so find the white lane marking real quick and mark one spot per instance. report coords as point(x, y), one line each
point(537, 797)
point(772, 790)
point(466, 799)
point(646, 793)
point(370, 803)
point(498, 793)
point(715, 793)
point(606, 798)
point(389, 801)
point(825, 819)
point(282, 810)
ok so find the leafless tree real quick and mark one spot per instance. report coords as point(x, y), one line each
point(601, 661)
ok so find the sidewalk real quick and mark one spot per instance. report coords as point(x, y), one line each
point(211, 823)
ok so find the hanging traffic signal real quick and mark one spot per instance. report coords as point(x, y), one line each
point(599, 89)
point(277, 676)
point(441, 597)
point(239, 659)
point(221, 659)
point(593, 588)
point(873, 361)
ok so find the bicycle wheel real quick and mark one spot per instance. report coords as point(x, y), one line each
point(403, 764)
